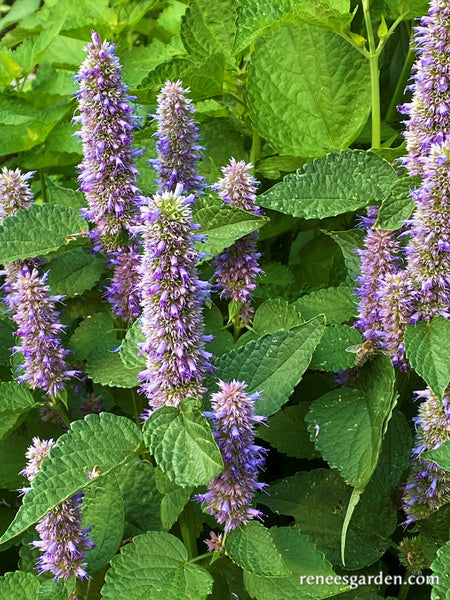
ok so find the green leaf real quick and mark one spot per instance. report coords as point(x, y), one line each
point(18, 10)
point(398, 205)
point(303, 558)
point(74, 272)
point(352, 422)
point(426, 345)
point(277, 280)
point(155, 567)
point(174, 499)
point(129, 347)
point(348, 242)
point(223, 224)
point(440, 455)
point(7, 340)
point(12, 451)
point(103, 510)
point(209, 26)
point(38, 230)
point(435, 531)
point(252, 548)
point(408, 9)
point(15, 400)
point(287, 432)
point(441, 566)
point(182, 443)
point(19, 586)
point(270, 316)
point(104, 441)
point(308, 91)
point(64, 196)
point(51, 590)
point(273, 364)
point(331, 354)
point(329, 186)
point(336, 303)
point(141, 497)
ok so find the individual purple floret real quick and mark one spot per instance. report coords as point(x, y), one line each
point(428, 486)
point(378, 259)
point(107, 171)
point(177, 135)
point(172, 297)
point(428, 250)
point(429, 111)
point(63, 540)
point(38, 327)
point(230, 494)
point(237, 267)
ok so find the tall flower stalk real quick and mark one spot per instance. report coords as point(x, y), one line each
point(177, 141)
point(230, 494)
point(172, 296)
point(107, 171)
point(63, 541)
point(32, 306)
point(237, 267)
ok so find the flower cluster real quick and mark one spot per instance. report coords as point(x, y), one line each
point(107, 171)
point(177, 135)
point(428, 250)
point(237, 268)
point(230, 494)
point(15, 192)
point(63, 540)
point(428, 486)
point(429, 111)
point(172, 298)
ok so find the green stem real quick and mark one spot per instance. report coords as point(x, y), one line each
point(403, 593)
point(255, 150)
point(43, 186)
point(374, 78)
point(400, 87)
point(135, 408)
point(63, 413)
point(187, 532)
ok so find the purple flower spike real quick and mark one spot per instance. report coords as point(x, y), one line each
point(428, 486)
point(429, 111)
point(122, 293)
point(177, 135)
point(237, 268)
point(428, 250)
point(230, 494)
point(171, 302)
point(15, 192)
point(378, 259)
point(63, 540)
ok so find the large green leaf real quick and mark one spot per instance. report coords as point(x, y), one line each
point(155, 567)
point(174, 499)
point(336, 303)
point(348, 424)
point(270, 316)
point(308, 90)
point(439, 455)
point(408, 9)
point(252, 548)
point(329, 186)
point(104, 441)
point(398, 205)
point(103, 510)
point(12, 451)
point(332, 352)
point(15, 400)
point(348, 242)
point(441, 566)
point(303, 559)
point(182, 443)
point(74, 272)
point(426, 345)
point(223, 224)
point(19, 586)
point(209, 26)
point(273, 364)
point(38, 230)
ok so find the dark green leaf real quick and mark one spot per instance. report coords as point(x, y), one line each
point(331, 354)
point(398, 206)
point(15, 400)
point(338, 304)
point(74, 272)
point(19, 586)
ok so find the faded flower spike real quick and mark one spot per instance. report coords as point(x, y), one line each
point(171, 295)
point(237, 268)
point(429, 111)
point(177, 135)
point(63, 540)
point(428, 486)
point(230, 494)
point(378, 259)
point(428, 250)
point(108, 172)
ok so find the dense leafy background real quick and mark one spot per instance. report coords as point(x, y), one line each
point(284, 84)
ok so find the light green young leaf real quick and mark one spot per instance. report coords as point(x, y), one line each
point(329, 186)
point(155, 567)
point(209, 26)
point(272, 365)
point(39, 230)
point(104, 441)
point(252, 548)
point(182, 443)
point(336, 303)
point(308, 90)
point(426, 346)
